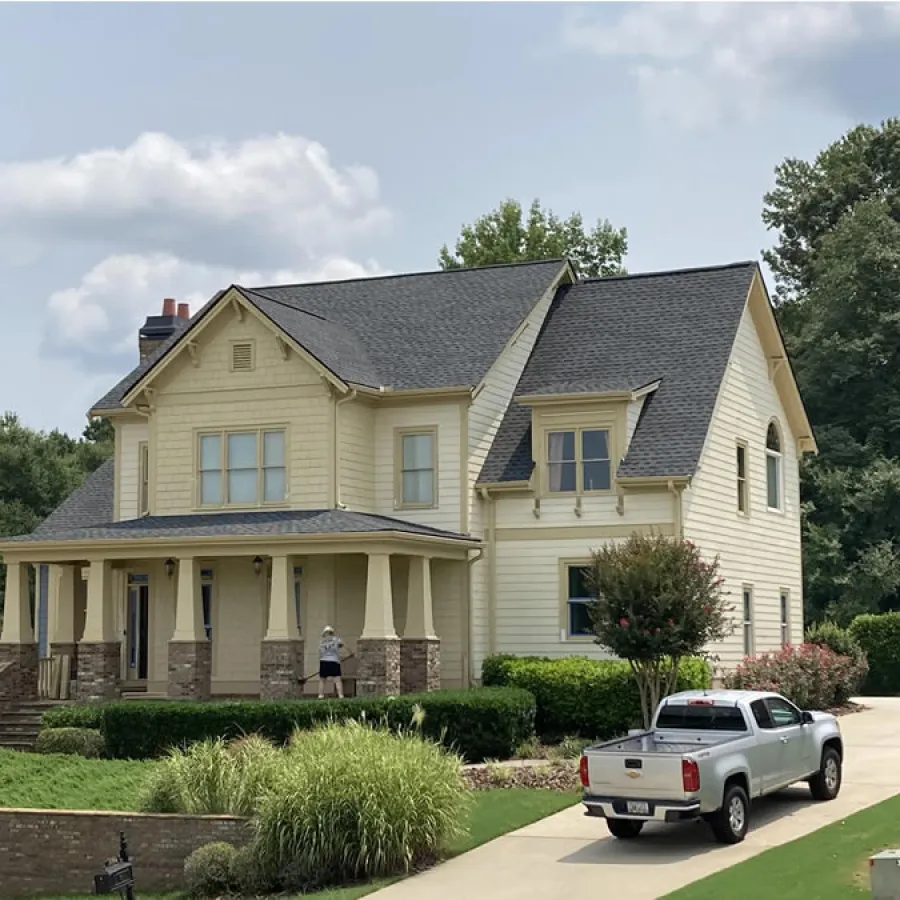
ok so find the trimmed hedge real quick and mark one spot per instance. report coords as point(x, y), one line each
point(879, 637)
point(479, 724)
point(596, 699)
point(87, 742)
point(86, 716)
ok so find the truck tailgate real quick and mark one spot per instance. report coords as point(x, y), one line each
point(655, 776)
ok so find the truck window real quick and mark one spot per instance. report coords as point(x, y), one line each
point(783, 713)
point(761, 714)
point(701, 718)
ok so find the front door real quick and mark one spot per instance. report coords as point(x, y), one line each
point(137, 624)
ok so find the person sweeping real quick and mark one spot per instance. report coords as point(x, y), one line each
point(330, 662)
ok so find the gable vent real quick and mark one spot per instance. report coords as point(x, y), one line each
point(242, 356)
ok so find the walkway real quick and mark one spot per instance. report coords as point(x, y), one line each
point(570, 855)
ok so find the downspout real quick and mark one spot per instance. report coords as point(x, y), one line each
point(467, 617)
point(338, 504)
point(492, 570)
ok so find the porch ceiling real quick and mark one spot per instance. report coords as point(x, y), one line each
point(235, 529)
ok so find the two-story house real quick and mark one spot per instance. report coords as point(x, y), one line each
point(424, 462)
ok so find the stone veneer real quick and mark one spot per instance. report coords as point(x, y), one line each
point(190, 670)
point(280, 670)
point(99, 672)
point(58, 852)
point(420, 665)
point(378, 666)
point(18, 680)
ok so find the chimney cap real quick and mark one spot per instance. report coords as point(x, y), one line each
point(184, 310)
point(168, 308)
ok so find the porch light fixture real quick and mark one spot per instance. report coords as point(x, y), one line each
point(257, 564)
point(170, 567)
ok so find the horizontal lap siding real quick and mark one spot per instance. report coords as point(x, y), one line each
point(357, 428)
point(764, 549)
point(640, 509)
point(130, 436)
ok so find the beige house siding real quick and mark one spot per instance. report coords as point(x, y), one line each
point(762, 549)
point(632, 415)
point(277, 392)
point(356, 425)
point(646, 508)
point(129, 436)
point(446, 418)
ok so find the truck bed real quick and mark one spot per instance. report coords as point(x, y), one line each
point(654, 742)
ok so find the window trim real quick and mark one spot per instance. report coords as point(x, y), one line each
point(143, 498)
point(222, 434)
point(747, 621)
point(564, 601)
point(408, 431)
point(784, 614)
point(212, 581)
point(778, 456)
point(743, 483)
point(578, 431)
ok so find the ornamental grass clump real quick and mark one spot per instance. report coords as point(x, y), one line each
point(213, 777)
point(354, 802)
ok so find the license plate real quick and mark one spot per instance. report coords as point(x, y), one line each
point(637, 808)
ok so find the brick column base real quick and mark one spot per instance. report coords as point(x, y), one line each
point(190, 670)
point(420, 665)
point(20, 680)
point(99, 671)
point(280, 670)
point(378, 666)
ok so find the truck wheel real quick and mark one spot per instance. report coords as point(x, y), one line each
point(730, 823)
point(826, 783)
point(624, 829)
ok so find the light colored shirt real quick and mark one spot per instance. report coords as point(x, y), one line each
point(329, 649)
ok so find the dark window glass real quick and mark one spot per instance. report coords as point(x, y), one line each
point(701, 718)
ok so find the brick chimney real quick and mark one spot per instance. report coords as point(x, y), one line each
point(157, 329)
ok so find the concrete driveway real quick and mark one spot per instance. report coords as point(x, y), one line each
point(570, 855)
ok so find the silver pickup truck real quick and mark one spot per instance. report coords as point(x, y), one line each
point(708, 754)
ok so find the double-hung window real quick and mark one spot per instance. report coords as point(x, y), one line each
point(578, 460)
point(743, 500)
point(416, 468)
point(785, 617)
point(773, 468)
point(242, 468)
point(748, 620)
point(578, 596)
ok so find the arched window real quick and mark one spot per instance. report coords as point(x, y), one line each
point(773, 467)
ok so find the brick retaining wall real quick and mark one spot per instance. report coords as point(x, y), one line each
point(60, 851)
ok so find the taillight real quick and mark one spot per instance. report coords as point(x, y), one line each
point(690, 776)
point(583, 772)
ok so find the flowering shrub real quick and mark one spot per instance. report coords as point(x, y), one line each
point(811, 676)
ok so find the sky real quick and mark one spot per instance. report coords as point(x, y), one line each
point(169, 150)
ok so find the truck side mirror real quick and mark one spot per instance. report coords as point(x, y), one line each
point(806, 717)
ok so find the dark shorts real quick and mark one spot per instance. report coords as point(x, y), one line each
point(329, 669)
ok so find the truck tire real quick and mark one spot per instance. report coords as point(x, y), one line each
point(730, 823)
point(826, 783)
point(624, 829)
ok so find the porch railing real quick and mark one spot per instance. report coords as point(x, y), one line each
point(54, 673)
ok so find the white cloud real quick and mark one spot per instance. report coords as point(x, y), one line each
point(701, 63)
point(264, 199)
point(97, 321)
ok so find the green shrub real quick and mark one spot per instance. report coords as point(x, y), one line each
point(208, 870)
point(879, 637)
point(88, 715)
point(86, 742)
point(582, 697)
point(479, 724)
point(839, 640)
point(811, 676)
point(355, 803)
point(213, 777)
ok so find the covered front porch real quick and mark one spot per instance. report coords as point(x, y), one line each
point(200, 615)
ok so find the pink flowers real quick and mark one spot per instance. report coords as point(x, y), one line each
point(623, 622)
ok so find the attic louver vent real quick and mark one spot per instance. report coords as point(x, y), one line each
point(242, 357)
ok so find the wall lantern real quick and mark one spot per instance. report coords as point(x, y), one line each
point(257, 564)
point(170, 567)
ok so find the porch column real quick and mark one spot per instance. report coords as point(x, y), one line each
point(190, 653)
point(420, 649)
point(61, 620)
point(18, 650)
point(378, 648)
point(281, 654)
point(100, 649)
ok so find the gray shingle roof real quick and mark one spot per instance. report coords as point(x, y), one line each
point(425, 330)
point(233, 524)
point(623, 333)
point(91, 504)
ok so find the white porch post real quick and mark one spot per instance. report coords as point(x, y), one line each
point(17, 627)
point(61, 608)
point(190, 653)
point(281, 654)
point(420, 661)
point(18, 651)
point(378, 649)
point(99, 651)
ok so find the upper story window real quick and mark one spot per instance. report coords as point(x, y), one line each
point(416, 467)
point(143, 478)
point(773, 467)
point(242, 468)
point(578, 460)
point(743, 498)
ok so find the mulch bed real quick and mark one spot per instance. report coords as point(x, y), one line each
point(557, 776)
point(847, 709)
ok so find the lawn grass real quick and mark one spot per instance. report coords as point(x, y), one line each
point(828, 864)
point(32, 781)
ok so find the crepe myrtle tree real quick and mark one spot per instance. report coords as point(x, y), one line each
point(656, 602)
